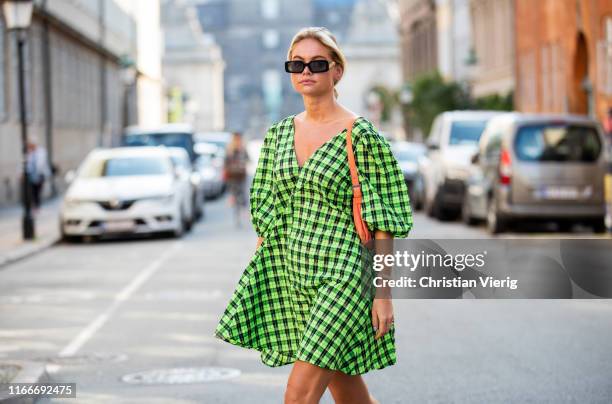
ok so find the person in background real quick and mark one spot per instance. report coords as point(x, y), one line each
point(235, 168)
point(38, 169)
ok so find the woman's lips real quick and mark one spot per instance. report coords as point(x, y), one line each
point(307, 82)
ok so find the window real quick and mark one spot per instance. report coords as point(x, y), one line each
point(269, 9)
point(272, 90)
point(2, 72)
point(558, 143)
point(466, 132)
point(270, 39)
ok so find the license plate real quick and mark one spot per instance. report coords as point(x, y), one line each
point(557, 192)
point(119, 225)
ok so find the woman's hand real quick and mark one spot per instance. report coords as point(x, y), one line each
point(382, 316)
point(259, 241)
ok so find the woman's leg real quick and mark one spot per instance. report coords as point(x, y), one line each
point(347, 389)
point(307, 383)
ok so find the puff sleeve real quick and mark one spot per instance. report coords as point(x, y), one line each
point(261, 193)
point(385, 204)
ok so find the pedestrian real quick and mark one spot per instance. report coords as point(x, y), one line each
point(299, 300)
point(235, 167)
point(38, 171)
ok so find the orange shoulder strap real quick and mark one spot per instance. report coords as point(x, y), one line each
point(351, 160)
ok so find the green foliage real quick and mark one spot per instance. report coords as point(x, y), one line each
point(388, 101)
point(496, 102)
point(432, 96)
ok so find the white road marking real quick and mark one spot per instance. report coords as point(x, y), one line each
point(88, 332)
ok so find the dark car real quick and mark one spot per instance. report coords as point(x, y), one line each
point(170, 135)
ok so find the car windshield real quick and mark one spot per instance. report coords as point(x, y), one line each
point(557, 143)
point(181, 162)
point(182, 140)
point(466, 132)
point(408, 154)
point(123, 166)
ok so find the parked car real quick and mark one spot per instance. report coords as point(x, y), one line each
point(210, 165)
point(124, 190)
point(538, 167)
point(408, 155)
point(212, 180)
point(169, 135)
point(452, 141)
point(192, 180)
point(219, 139)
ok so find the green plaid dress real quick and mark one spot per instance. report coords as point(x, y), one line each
point(299, 298)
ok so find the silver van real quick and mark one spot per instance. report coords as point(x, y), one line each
point(538, 167)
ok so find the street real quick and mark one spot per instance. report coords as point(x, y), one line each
point(97, 313)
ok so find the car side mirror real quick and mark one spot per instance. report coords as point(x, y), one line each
point(475, 158)
point(70, 176)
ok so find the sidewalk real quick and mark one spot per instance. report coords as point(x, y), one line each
point(46, 225)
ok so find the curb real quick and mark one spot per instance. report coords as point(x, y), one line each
point(27, 251)
point(30, 372)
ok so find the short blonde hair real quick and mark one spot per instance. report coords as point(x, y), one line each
point(327, 39)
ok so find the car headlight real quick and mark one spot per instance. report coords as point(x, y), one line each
point(163, 199)
point(72, 202)
point(456, 173)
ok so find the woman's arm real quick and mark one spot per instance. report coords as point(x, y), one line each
point(382, 307)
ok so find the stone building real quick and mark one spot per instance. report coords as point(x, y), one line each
point(74, 89)
point(493, 37)
point(564, 56)
point(192, 65)
point(418, 31)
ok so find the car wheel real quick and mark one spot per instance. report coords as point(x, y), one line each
point(437, 210)
point(599, 225)
point(180, 230)
point(466, 213)
point(495, 223)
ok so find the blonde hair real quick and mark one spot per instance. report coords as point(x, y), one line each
point(327, 39)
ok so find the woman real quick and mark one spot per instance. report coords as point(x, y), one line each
point(235, 166)
point(298, 300)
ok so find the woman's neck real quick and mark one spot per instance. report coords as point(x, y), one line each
point(321, 109)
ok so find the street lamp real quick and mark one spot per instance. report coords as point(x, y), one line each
point(18, 16)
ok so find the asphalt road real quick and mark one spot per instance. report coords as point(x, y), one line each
point(99, 313)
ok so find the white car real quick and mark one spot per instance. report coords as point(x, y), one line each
point(444, 170)
point(191, 181)
point(129, 190)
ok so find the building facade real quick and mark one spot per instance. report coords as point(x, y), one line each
point(73, 80)
point(494, 49)
point(564, 56)
point(418, 31)
point(373, 60)
point(193, 68)
point(454, 37)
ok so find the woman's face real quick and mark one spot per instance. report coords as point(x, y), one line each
point(314, 84)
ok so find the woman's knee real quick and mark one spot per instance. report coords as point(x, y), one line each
point(299, 393)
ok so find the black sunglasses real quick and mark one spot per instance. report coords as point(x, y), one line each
point(315, 66)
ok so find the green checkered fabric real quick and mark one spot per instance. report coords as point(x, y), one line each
point(299, 296)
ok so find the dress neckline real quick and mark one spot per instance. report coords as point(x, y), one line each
point(328, 141)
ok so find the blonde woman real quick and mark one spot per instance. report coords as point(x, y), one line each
point(298, 300)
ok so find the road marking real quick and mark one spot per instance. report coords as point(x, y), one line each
point(88, 332)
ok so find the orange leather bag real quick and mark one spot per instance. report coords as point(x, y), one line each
point(362, 229)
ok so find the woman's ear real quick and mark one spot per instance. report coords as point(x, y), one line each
point(338, 72)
